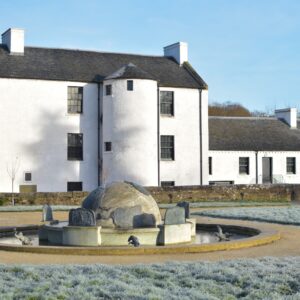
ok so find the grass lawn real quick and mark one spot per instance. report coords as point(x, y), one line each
point(282, 215)
point(266, 278)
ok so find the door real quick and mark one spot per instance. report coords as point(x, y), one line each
point(267, 170)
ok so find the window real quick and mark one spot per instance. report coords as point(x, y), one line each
point(107, 146)
point(167, 147)
point(167, 103)
point(108, 90)
point(167, 183)
point(210, 165)
point(291, 165)
point(27, 176)
point(74, 186)
point(244, 165)
point(129, 85)
point(75, 97)
point(75, 146)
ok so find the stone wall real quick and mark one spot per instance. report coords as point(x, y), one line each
point(264, 193)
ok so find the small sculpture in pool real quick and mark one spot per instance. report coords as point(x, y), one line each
point(24, 239)
point(222, 236)
point(133, 240)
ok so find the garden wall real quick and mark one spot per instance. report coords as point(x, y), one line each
point(274, 193)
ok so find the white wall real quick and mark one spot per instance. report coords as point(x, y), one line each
point(130, 123)
point(225, 166)
point(184, 125)
point(34, 124)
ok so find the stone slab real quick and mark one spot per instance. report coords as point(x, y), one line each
point(175, 215)
point(82, 217)
point(175, 234)
point(186, 206)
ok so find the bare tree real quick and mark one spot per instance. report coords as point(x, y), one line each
point(12, 170)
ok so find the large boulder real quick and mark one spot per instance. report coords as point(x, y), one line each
point(120, 200)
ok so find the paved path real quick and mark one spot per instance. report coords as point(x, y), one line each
point(289, 245)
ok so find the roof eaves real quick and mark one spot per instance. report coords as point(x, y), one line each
point(195, 75)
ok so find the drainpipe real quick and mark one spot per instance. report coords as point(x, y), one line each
point(158, 137)
point(98, 138)
point(200, 136)
point(256, 162)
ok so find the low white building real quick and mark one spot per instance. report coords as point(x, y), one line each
point(72, 119)
point(255, 150)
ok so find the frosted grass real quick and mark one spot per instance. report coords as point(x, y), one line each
point(213, 204)
point(24, 208)
point(266, 278)
point(282, 215)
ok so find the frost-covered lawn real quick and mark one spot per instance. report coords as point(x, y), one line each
point(20, 208)
point(281, 215)
point(266, 278)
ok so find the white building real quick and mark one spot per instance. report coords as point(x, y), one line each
point(255, 150)
point(72, 119)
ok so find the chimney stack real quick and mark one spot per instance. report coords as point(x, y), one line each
point(179, 51)
point(13, 38)
point(288, 115)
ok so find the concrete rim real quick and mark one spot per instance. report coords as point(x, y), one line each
point(263, 237)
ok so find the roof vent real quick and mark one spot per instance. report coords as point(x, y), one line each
point(179, 51)
point(288, 115)
point(13, 38)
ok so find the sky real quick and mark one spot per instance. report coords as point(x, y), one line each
point(247, 51)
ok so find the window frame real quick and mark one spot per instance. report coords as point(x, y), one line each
point(25, 173)
point(108, 90)
point(75, 152)
point(78, 99)
point(164, 148)
point(167, 108)
point(74, 190)
point(244, 165)
point(291, 163)
point(105, 148)
point(130, 86)
point(167, 183)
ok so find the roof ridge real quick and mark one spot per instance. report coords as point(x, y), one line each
point(95, 51)
point(238, 118)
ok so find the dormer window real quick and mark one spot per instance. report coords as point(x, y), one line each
point(129, 85)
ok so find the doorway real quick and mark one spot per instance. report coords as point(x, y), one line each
point(267, 173)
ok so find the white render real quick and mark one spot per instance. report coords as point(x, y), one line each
point(289, 115)
point(225, 167)
point(34, 127)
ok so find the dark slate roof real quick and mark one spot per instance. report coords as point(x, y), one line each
point(91, 66)
point(253, 134)
point(130, 71)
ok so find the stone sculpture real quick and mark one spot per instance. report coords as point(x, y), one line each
point(47, 213)
point(175, 215)
point(82, 217)
point(222, 236)
point(24, 239)
point(186, 206)
point(133, 240)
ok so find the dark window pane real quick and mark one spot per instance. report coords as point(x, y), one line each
point(244, 165)
point(167, 147)
point(129, 85)
point(107, 146)
point(210, 165)
point(28, 176)
point(75, 146)
point(167, 103)
point(167, 183)
point(75, 99)
point(108, 90)
point(291, 165)
point(74, 186)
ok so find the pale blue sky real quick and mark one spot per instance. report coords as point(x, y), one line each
point(247, 51)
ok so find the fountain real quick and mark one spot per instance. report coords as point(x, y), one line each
point(109, 216)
